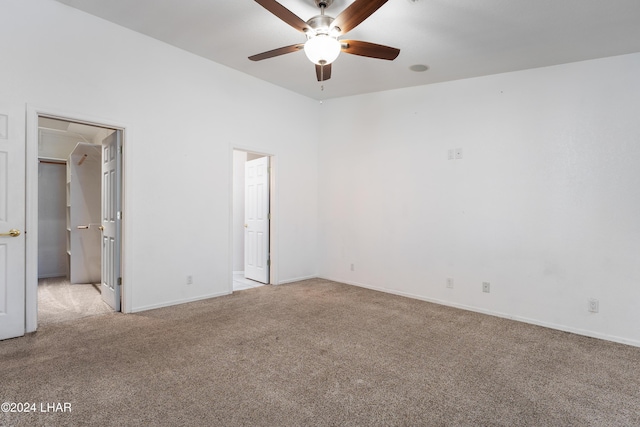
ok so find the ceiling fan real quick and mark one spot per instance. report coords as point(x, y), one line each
point(323, 45)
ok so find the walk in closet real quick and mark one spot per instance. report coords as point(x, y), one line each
point(83, 213)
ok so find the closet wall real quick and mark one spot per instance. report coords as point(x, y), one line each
point(52, 258)
point(54, 148)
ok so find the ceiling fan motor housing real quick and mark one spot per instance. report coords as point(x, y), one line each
point(320, 25)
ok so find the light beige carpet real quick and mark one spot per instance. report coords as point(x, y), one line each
point(317, 353)
point(61, 301)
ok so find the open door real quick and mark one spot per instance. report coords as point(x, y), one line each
point(12, 242)
point(256, 240)
point(111, 219)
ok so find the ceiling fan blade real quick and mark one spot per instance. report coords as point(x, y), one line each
point(357, 12)
point(277, 52)
point(371, 50)
point(285, 14)
point(323, 72)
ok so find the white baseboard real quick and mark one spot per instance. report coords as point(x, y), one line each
point(536, 322)
point(297, 279)
point(182, 301)
point(50, 275)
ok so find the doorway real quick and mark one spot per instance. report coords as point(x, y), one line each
point(77, 200)
point(252, 225)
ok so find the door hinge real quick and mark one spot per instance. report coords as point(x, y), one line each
point(269, 216)
point(119, 215)
point(119, 281)
point(269, 263)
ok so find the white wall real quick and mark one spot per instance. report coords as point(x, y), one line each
point(52, 220)
point(544, 204)
point(183, 114)
point(239, 159)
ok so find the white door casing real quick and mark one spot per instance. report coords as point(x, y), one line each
point(12, 221)
point(111, 219)
point(256, 240)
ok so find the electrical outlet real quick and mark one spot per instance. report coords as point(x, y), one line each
point(353, 267)
point(486, 287)
point(594, 305)
point(189, 280)
point(450, 154)
point(450, 282)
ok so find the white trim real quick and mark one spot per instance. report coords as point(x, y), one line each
point(230, 223)
point(530, 321)
point(274, 254)
point(49, 276)
point(31, 224)
point(297, 279)
point(178, 302)
point(31, 241)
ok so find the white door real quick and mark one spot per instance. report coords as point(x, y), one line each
point(256, 220)
point(12, 241)
point(111, 219)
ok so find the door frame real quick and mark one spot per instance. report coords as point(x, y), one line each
point(31, 241)
point(273, 206)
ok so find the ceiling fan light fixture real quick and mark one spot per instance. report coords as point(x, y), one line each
point(322, 49)
point(323, 32)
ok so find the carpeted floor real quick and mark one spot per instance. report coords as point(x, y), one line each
point(61, 301)
point(317, 353)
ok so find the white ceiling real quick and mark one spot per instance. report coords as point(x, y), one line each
point(63, 127)
point(455, 38)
